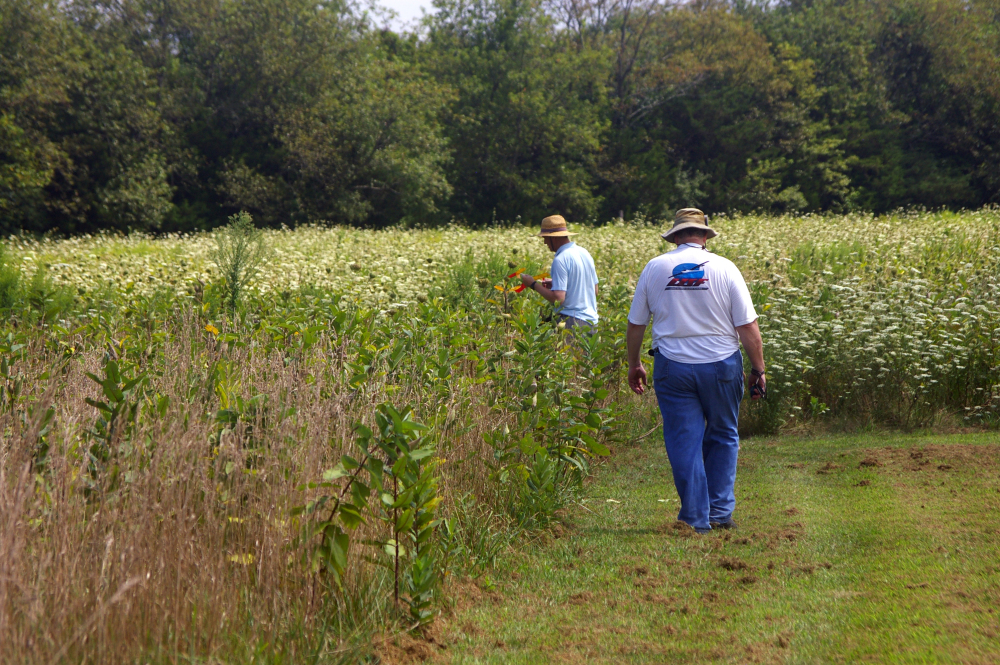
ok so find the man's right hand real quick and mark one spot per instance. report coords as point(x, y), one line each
point(759, 381)
point(637, 379)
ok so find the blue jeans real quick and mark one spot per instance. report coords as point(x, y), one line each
point(700, 405)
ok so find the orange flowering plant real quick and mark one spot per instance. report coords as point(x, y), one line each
point(515, 275)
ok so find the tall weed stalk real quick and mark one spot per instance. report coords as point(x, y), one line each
point(241, 250)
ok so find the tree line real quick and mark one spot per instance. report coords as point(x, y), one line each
point(169, 115)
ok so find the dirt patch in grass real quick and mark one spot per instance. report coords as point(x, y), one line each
point(677, 529)
point(471, 629)
point(958, 457)
point(760, 652)
point(619, 630)
point(405, 649)
point(466, 593)
point(790, 533)
point(732, 563)
point(827, 468)
point(658, 599)
point(648, 583)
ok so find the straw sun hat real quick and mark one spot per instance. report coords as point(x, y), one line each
point(554, 227)
point(689, 218)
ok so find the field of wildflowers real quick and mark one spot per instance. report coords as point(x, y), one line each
point(274, 479)
point(850, 304)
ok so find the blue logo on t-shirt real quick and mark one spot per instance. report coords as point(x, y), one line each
point(688, 276)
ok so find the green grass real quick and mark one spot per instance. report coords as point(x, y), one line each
point(834, 561)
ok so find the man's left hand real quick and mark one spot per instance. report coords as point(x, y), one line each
point(527, 279)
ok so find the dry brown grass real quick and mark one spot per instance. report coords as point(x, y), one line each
point(181, 557)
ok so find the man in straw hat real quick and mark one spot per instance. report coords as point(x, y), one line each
point(701, 311)
point(573, 287)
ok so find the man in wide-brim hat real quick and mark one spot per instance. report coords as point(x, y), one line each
point(701, 312)
point(573, 285)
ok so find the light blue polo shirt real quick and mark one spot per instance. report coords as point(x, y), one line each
point(573, 271)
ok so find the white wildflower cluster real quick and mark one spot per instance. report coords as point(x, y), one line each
point(898, 313)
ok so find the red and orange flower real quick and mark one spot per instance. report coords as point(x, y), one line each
point(520, 287)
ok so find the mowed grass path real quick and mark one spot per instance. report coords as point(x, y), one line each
point(875, 548)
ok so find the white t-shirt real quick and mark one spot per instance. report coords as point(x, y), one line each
point(573, 271)
point(696, 299)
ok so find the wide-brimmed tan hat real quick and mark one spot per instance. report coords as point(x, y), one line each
point(555, 227)
point(689, 218)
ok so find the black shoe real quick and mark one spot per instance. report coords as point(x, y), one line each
point(730, 524)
